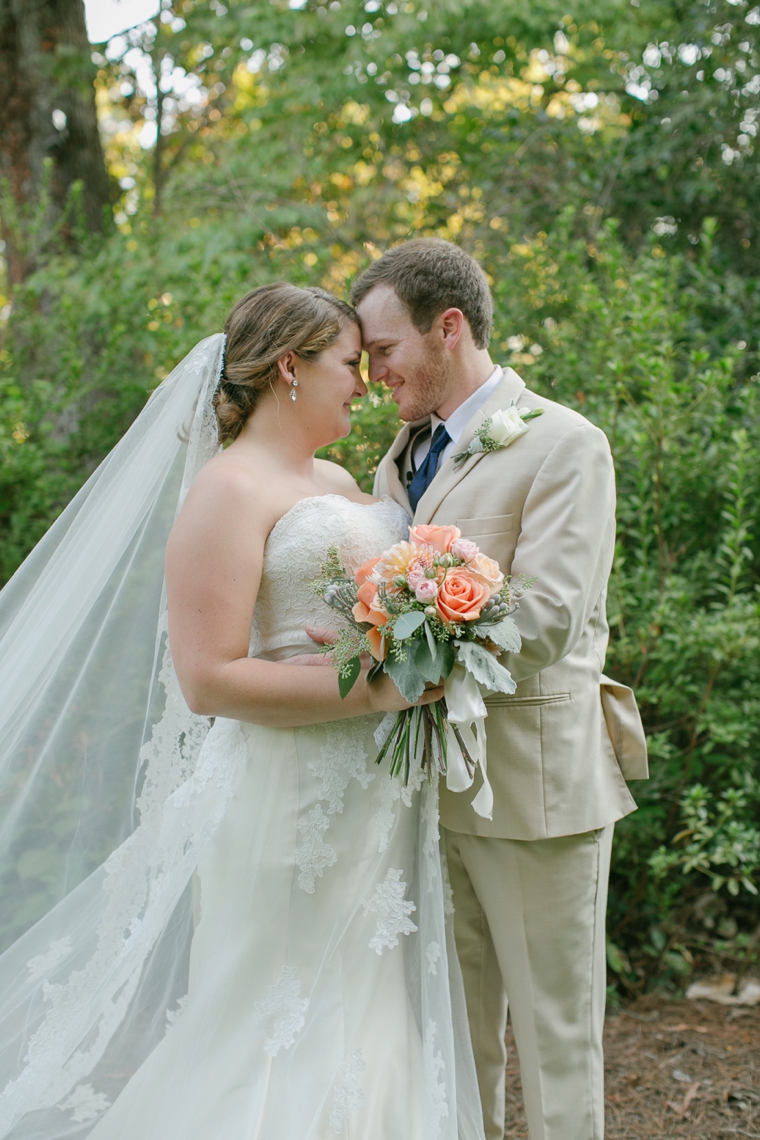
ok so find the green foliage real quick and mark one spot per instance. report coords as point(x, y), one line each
point(723, 840)
point(619, 235)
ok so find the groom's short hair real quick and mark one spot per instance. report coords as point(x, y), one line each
point(430, 275)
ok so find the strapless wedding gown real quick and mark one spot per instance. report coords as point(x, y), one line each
point(324, 999)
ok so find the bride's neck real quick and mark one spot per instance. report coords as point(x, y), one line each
point(282, 439)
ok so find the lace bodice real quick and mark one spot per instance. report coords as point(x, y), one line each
point(295, 550)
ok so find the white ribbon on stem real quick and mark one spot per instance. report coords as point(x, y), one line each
point(466, 709)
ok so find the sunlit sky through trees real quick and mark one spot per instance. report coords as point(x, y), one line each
point(106, 18)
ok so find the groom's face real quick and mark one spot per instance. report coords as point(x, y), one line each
point(414, 365)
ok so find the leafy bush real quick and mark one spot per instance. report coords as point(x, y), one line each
point(639, 343)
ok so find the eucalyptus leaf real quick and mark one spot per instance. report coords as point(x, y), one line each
point(407, 677)
point(505, 634)
point(484, 667)
point(434, 659)
point(407, 624)
point(427, 663)
point(347, 678)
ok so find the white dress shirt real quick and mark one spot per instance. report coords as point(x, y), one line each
point(458, 420)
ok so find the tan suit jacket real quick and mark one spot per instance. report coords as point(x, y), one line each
point(561, 748)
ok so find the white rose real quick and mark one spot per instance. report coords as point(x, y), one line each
point(506, 426)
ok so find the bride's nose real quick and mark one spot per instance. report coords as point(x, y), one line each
point(361, 388)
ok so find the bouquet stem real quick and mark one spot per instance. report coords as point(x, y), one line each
point(420, 732)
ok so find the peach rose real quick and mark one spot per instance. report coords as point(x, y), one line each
point(375, 639)
point(368, 608)
point(439, 537)
point(487, 571)
point(462, 596)
point(364, 571)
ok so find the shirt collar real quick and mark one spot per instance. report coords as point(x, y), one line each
point(461, 416)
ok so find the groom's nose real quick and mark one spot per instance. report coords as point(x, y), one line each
point(377, 369)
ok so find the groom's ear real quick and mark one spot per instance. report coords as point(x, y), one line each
point(451, 325)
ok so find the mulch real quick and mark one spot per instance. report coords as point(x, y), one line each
point(674, 1069)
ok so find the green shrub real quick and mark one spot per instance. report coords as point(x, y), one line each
point(650, 347)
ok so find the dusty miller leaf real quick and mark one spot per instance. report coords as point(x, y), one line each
point(484, 667)
point(505, 634)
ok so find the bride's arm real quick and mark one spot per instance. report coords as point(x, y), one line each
point(213, 569)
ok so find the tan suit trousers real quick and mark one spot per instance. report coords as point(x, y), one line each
point(530, 930)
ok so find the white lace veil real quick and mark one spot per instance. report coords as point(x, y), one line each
point(98, 747)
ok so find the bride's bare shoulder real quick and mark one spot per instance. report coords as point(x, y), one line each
point(338, 481)
point(229, 491)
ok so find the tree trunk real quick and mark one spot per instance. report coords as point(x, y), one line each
point(48, 111)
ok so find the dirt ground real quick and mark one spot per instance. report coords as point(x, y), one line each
point(675, 1070)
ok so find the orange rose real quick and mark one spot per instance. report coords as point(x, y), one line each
point(368, 608)
point(364, 571)
point(487, 571)
point(462, 596)
point(440, 538)
point(375, 639)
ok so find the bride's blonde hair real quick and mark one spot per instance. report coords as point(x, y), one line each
point(263, 326)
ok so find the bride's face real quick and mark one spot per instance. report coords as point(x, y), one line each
point(328, 386)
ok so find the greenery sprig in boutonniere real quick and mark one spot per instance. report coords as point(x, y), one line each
point(499, 430)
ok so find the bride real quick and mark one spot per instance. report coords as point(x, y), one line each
point(238, 931)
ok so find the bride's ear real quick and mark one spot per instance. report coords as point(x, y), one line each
point(286, 366)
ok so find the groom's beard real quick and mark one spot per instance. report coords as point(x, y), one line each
point(427, 385)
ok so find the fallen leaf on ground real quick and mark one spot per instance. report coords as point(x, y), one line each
point(685, 1029)
point(683, 1109)
point(721, 989)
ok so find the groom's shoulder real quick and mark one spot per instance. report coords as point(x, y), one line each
point(557, 419)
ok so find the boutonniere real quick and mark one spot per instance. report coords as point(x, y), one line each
point(499, 430)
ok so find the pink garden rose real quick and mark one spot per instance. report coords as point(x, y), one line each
point(465, 549)
point(426, 591)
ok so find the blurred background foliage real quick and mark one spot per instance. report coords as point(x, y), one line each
point(601, 161)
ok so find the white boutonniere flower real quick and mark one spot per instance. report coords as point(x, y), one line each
point(498, 431)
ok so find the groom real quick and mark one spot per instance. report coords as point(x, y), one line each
point(530, 886)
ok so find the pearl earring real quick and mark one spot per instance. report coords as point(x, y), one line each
point(293, 393)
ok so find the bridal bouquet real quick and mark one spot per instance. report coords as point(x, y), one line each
point(433, 609)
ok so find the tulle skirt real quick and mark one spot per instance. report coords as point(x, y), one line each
point(324, 998)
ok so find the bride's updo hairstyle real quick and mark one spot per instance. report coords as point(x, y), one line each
point(263, 326)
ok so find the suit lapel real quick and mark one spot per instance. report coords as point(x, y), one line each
point(396, 488)
point(510, 388)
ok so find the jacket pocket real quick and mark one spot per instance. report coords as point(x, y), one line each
point(625, 729)
point(490, 524)
point(501, 700)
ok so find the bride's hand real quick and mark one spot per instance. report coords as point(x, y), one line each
point(385, 697)
point(382, 691)
point(322, 636)
point(306, 659)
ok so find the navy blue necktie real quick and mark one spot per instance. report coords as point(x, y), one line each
point(425, 473)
